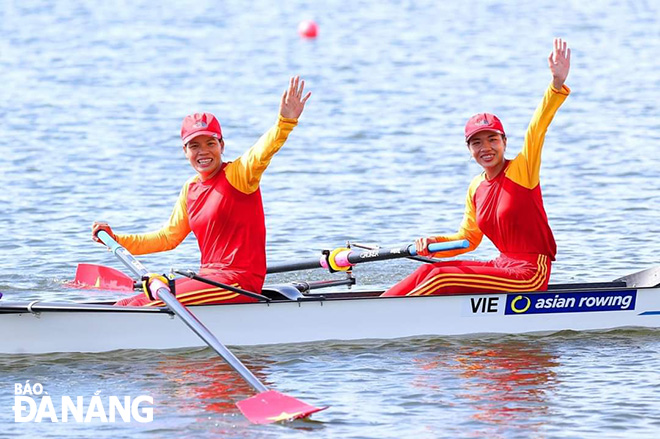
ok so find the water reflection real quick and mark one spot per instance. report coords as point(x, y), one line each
point(208, 389)
point(506, 384)
point(207, 384)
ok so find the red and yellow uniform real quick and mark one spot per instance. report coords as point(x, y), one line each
point(226, 215)
point(509, 210)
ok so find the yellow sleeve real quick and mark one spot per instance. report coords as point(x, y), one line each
point(526, 167)
point(245, 172)
point(468, 229)
point(168, 237)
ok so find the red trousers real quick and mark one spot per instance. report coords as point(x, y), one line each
point(510, 272)
point(193, 292)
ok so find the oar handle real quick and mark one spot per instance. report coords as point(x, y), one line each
point(348, 257)
point(441, 246)
point(164, 294)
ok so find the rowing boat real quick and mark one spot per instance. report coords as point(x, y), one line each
point(292, 317)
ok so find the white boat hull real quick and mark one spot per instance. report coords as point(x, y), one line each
point(96, 328)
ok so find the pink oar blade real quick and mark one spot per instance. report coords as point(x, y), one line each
point(273, 406)
point(101, 277)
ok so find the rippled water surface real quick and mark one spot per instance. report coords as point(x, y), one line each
point(92, 95)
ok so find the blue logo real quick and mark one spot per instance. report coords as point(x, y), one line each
point(584, 301)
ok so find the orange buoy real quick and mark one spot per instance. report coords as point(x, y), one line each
point(308, 29)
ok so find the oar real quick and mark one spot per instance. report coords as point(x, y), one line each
point(344, 258)
point(107, 278)
point(265, 407)
point(101, 278)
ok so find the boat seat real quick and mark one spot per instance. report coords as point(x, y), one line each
point(281, 292)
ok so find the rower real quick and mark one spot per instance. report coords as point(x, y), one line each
point(222, 206)
point(504, 203)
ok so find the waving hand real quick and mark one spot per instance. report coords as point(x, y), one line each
point(559, 62)
point(293, 103)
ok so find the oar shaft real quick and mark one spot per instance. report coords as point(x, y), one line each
point(381, 254)
point(294, 266)
point(414, 258)
point(202, 331)
point(182, 312)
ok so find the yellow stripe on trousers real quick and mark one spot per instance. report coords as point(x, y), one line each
point(484, 281)
point(191, 297)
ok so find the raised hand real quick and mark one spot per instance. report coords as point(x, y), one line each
point(559, 62)
point(293, 103)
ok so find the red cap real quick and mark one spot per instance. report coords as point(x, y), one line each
point(482, 122)
point(199, 124)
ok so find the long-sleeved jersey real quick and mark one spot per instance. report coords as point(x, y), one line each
point(225, 213)
point(509, 208)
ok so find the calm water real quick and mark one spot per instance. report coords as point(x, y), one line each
point(92, 95)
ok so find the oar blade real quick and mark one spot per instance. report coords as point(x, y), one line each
point(100, 277)
point(273, 406)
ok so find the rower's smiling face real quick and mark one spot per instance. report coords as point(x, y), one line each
point(205, 155)
point(487, 148)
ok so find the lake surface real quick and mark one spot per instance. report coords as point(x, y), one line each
point(92, 97)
